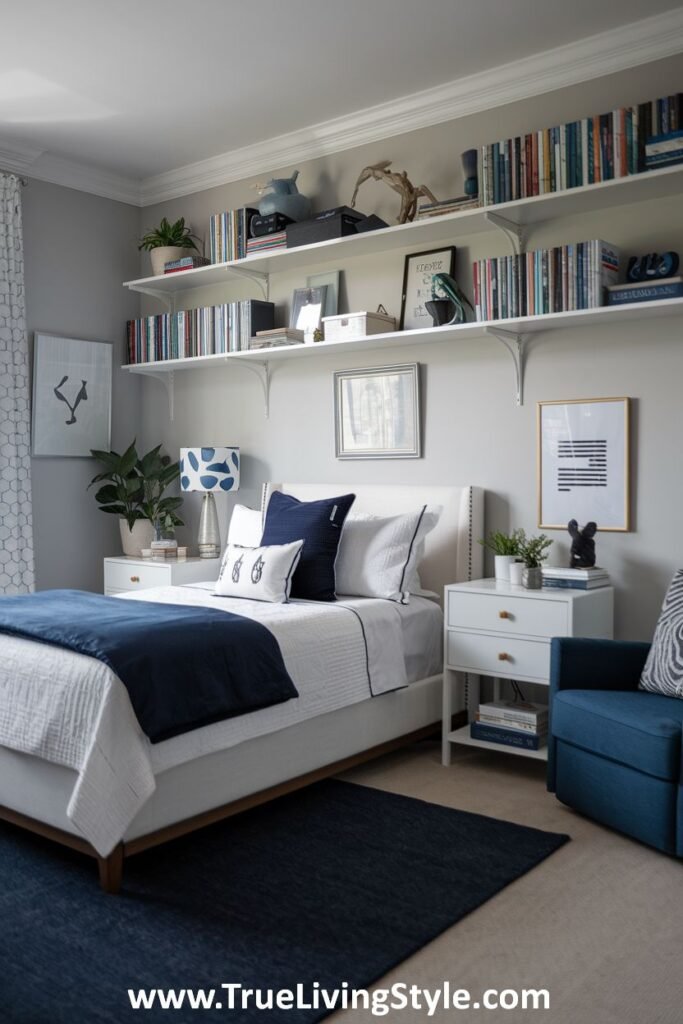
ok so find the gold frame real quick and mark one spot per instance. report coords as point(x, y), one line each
point(627, 461)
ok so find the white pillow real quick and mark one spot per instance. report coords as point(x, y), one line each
point(378, 556)
point(246, 527)
point(262, 574)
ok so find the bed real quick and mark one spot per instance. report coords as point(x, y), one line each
point(107, 792)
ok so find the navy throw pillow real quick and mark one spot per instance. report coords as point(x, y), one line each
point(319, 525)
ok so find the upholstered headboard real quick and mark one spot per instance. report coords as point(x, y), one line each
point(452, 553)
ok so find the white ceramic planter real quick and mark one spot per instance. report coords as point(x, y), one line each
point(133, 541)
point(516, 573)
point(164, 254)
point(502, 567)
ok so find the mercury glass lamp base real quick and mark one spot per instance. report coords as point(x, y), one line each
point(209, 540)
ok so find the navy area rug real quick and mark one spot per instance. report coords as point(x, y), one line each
point(336, 883)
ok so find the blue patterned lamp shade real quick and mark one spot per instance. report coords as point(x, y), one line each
point(210, 469)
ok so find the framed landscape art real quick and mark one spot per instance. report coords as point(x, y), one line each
point(377, 412)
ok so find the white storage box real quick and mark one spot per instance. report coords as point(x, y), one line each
point(357, 325)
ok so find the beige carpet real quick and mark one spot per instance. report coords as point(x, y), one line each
point(599, 924)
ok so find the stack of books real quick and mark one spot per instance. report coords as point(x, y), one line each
point(645, 291)
point(186, 263)
point(557, 280)
point(229, 233)
point(277, 338)
point(207, 331)
point(594, 149)
point(512, 723)
point(437, 209)
point(266, 243)
point(574, 579)
point(664, 150)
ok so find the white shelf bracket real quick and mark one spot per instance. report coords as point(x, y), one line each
point(261, 279)
point(156, 293)
point(514, 343)
point(263, 372)
point(168, 380)
point(514, 233)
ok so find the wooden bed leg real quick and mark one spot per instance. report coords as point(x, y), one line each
point(111, 870)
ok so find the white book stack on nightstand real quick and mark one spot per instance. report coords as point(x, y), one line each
point(494, 629)
point(123, 573)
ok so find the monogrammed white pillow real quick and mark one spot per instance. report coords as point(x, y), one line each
point(260, 574)
point(378, 555)
point(246, 527)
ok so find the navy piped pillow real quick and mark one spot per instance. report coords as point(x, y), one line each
point(319, 525)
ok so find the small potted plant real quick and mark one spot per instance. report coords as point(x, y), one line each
point(533, 552)
point(506, 549)
point(167, 242)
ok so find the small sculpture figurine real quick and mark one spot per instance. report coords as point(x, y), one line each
point(285, 198)
point(583, 545)
point(399, 182)
point(652, 267)
point(451, 288)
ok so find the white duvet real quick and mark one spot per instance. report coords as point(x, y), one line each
point(72, 710)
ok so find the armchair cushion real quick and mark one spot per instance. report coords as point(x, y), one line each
point(640, 730)
point(663, 672)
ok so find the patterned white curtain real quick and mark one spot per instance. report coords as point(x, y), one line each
point(16, 527)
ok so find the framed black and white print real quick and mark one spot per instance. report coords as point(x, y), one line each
point(71, 396)
point(418, 271)
point(377, 412)
point(584, 463)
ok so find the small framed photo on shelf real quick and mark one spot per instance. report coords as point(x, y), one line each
point(71, 396)
point(418, 271)
point(584, 463)
point(377, 412)
point(330, 280)
point(308, 305)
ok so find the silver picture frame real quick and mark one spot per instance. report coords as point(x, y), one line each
point(377, 412)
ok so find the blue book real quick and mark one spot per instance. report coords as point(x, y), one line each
point(506, 737)
point(671, 288)
point(557, 583)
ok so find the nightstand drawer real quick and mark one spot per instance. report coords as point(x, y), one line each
point(499, 655)
point(118, 576)
point(526, 616)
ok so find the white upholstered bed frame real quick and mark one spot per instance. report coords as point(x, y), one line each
point(35, 793)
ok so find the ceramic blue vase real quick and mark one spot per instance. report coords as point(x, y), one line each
point(286, 199)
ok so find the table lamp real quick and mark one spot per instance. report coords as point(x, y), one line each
point(209, 470)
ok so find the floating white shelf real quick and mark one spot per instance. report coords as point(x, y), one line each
point(513, 218)
point(463, 736)
point(513, 334)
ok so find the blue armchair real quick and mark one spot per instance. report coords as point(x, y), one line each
point(614, 752)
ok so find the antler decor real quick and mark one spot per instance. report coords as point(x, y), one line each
point(399, 182)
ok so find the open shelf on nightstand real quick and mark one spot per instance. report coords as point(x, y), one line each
point(463, 736)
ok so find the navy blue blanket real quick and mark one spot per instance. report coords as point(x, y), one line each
point(184, 667)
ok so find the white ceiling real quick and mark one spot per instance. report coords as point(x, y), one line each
point(136, 88)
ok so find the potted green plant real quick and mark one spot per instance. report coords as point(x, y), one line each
point(506, 549)
point(533, 552)
point(167, 242)
point(133, 490)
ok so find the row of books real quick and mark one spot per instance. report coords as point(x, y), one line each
point(229, 234)
point(566, 277)
point(512, 723)
point(574, 579)
point(208, 330)
point(578, 153)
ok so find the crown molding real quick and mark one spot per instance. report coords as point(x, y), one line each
point(594, 57)
point(599, 55)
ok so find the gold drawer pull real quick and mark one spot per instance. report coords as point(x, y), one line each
point(135, 579)
point(504, 615)
point(504, 657)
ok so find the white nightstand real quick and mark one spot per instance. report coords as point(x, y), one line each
point(139, 573)
point(494, 629)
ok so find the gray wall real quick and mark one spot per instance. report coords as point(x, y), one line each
point(473, 431)
point(78, 249)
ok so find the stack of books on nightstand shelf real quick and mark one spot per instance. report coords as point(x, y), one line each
point(575, 579)
point(512, 723)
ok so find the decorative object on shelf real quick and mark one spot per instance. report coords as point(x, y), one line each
point(418, 270)
point(584, 462)
point(652, 267)
point(268, 224)
point(283, 198)
point(358, 325)
point(167, 242)
point(532, 551)
point(325, 226)
point(399, 182)
point(469, 169)
point(454, 296)
point(582, 555)
point(506, 548)
point(307, 310)
point(209, 470)
point(133, 490)
point(440, 310)
point(71, 408)
point(377, 412)
point(330, 280)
